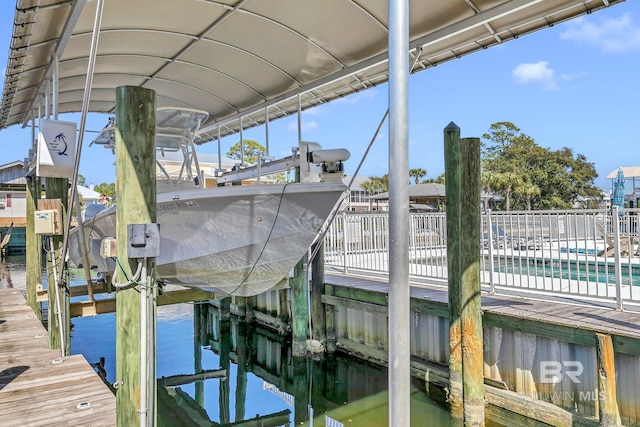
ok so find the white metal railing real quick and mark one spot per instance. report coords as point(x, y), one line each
point(587, 253)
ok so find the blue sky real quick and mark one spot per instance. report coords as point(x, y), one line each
point(572, 85)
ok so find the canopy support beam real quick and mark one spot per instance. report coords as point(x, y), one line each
point(399, 307)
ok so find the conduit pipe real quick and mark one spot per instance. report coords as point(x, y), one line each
point(85, 107)
point(144, 401)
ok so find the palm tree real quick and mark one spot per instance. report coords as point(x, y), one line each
point(375, 185)
point(417, 173)
point(504, 181)
point(528, 190)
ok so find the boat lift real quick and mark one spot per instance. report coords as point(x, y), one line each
point(315, 164)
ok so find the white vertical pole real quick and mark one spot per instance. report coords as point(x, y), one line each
point(54, 89)
point(615, 222)
point(219, 154)
point(266, 128)
point(63, 344)
point(241, 145)
point(86, 99)
point(47, 98)
point(299, 120)
point(259, 167)
point(144, 349)
point(399, 307)
point(345, 242)
point(492, 286)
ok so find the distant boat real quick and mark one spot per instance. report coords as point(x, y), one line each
point(237, 240)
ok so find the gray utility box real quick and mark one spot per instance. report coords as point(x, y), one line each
point(143, 240)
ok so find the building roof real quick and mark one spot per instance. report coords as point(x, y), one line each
point(12, 164)
point(428, 190)
point(357, 182)
point(87, 193)
point(12, 174)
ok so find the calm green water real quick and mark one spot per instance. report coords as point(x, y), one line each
point(264, 382)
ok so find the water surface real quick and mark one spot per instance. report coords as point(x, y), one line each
point(264, 383)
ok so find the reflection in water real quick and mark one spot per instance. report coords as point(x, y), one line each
point(274, 388)
point(5, 277)
point(262, 385)
point(13, 272)
point(265, 381)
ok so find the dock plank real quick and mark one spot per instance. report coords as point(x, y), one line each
point(38, 387)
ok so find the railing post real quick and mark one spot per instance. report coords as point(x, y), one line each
point(345, 245)
point(492, 286)
point(618, 260)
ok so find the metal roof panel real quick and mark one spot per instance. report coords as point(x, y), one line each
point(234, 58)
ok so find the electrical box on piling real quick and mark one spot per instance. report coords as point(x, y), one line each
point(45, 222)
point(108, 247)
point(48, 217)
point(143, 240)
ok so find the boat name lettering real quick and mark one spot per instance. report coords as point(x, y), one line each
point(177, 205)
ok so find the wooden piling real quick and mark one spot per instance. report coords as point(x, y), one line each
point(136, 191)
point(301, 391)
point(197, 351)
point(284, 306)
point(225, 309)
point(224, 336)
point(470, 304)
point(300, 303)
point(241, 372)
point(608, 404)
point(462, 165)
point(330, 322)
point(317, 290)
point(300, 298)
point(33, 245)
point(250, 304)
point(56, 199)
point(452, 189)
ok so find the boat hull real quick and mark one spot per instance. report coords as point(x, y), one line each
point(239, 240)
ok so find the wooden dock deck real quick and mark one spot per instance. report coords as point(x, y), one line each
point(38, 387)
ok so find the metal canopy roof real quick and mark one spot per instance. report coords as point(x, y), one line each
point(234, 58)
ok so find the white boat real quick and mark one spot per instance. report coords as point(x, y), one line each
point(237, 240)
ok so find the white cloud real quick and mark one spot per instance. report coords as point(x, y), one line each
point(613, 35)
point(306, 126)
point(318, 110)
point(537, 73)
point(569, 77)
point(356, 98)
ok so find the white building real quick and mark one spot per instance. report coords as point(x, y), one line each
point(360, 200)
point(13, 195)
